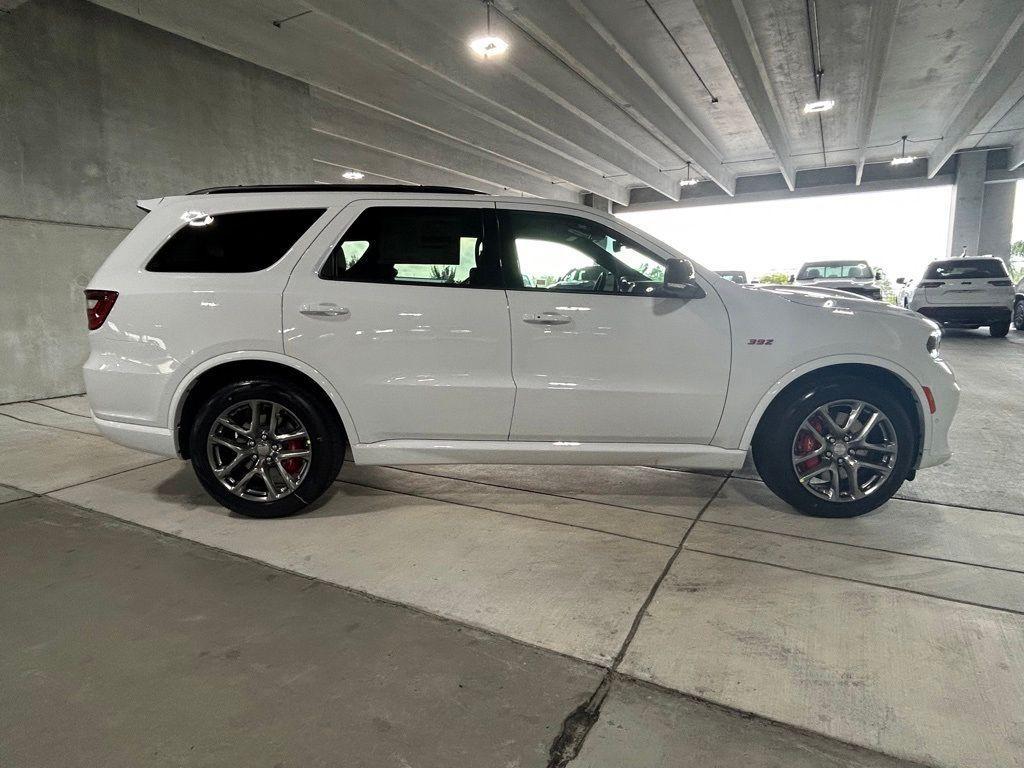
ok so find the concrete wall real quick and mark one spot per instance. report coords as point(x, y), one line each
point(96, 111)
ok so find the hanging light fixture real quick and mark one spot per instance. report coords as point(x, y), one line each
point(488, 46)
point(904, 158)
point(687, 182)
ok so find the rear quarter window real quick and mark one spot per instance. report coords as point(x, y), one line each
point(247, 241)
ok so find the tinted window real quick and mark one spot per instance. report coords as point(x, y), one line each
point(233, 242)
point(566, 253)
point(431, 246)
point(965, 269)
point(835, 269)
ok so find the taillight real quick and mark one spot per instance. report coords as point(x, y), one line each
point(1002, 283)
point(97, 306)
point(929, 285)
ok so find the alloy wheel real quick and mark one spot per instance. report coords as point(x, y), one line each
point(259, 450)
point(844, 450)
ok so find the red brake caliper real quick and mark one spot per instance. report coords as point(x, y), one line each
point(291, 466)
point(807, 443)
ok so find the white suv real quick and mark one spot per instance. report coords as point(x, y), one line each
point(261, 332)
point(964, 293)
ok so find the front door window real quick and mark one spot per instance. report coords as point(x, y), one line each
point(564, 254)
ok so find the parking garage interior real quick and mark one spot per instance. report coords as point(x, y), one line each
point(490, 615)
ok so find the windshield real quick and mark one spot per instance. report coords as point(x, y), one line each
point(835, 269)
point(965, 269)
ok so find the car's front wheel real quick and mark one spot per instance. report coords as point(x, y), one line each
point(265, 449)
point(836, 448)
point(1018, 315)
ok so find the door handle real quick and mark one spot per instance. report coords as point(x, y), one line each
point(323, 310)
point(547, 318)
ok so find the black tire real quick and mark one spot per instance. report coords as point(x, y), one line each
point(326, 443)
point(773, 443)
point(1018, 315)
point(999, 330)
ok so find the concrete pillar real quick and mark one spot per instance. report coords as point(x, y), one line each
point(997, 220)
point(968, 199)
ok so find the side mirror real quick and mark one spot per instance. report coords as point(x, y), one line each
point(679, 282)
point(901, 281)
point(878, 274)
point(792, 278)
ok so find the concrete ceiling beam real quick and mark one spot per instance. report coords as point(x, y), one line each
point(552, 103)
point(1016, 157)
point(882, 26)
point(572, 33)
point(374, 128)
point(730, 28)
point(314, 49)
point(348, 154)
point(1001, 81)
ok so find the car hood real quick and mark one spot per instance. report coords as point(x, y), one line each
point(831, 298)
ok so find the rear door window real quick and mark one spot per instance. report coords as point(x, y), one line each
point(416, 245)
point(246, 241)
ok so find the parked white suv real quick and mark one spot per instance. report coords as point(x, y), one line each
point(262, 332)
point(964, 293)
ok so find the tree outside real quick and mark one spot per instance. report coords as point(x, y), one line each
point(1017, 260)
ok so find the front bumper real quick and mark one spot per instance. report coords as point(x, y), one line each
point(985, 315)
point(946, 393)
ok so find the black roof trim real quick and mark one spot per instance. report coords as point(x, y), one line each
point(335, 188)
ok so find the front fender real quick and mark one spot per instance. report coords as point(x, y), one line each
point(908, 378)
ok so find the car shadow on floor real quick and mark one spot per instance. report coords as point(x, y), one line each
point(183, 490)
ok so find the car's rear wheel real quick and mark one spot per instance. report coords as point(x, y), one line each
point(1018, 315)
point(998, 330)
point(836, 448)
point(265, 449)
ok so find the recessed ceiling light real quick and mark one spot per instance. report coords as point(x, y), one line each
point(488, 46)
point(352, 175)
point(819, 106)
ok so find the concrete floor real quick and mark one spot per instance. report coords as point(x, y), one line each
point(459, 616)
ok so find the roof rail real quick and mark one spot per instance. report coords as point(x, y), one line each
point(333, 188)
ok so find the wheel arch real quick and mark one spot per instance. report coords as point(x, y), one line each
point(884, 372)
point(214, 373)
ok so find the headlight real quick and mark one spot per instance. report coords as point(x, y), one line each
point(934, 340)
